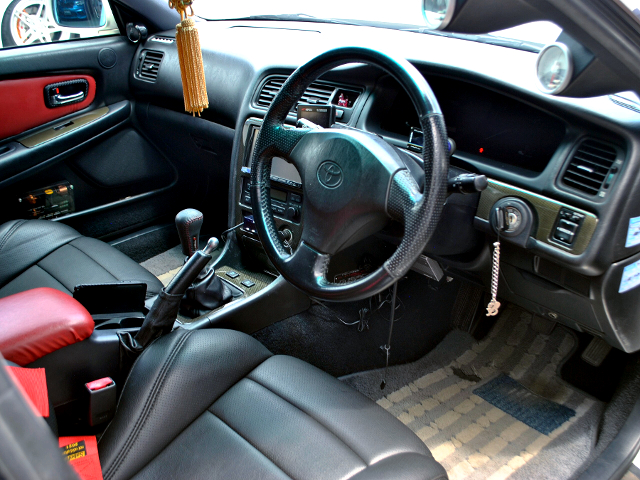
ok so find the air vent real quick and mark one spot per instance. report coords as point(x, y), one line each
point(592, 168)
point(269, 91)
point(148, 65)
point(317, 92)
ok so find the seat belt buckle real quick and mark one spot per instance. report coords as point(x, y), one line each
point(102, 400)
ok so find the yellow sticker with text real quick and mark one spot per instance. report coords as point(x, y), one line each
point(74, 450)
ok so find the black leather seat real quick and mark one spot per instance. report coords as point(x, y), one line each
point(217, 404)
point(41, 253)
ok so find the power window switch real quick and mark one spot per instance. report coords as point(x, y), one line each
point(564, 236)
point(565, 231)
point(568, 226)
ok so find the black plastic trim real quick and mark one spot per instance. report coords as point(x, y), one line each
point(615, 460)
point(24, 161)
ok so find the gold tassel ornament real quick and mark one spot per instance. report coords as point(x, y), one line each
point(194, 85)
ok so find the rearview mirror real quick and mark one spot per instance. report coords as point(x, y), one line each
point(79, 13)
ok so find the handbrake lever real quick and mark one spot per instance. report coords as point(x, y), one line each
point(164, 311)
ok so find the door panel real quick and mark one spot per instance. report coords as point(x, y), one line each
point(91, 150)
point(23, 101)
point(132, 165)
point(18, 161)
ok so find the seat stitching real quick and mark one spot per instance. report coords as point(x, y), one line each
point(143, 417)
point(311, 417)
point(157, 384)
point(206, 410)
point(53, 276)
point(95, 261)
point(135, 362)
point(11, 231)
point(251, 444)
point(443, 476)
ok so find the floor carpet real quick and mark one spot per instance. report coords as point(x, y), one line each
point(168, 263)
point(330, 336)
point(471, 437)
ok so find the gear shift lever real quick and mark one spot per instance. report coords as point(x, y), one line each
point(188, 224)
point(207, 292)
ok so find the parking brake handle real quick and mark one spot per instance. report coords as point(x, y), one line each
point(164, 311)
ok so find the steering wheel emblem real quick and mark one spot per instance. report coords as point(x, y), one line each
point(330, 174)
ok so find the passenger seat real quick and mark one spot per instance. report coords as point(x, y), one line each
point(41, 253)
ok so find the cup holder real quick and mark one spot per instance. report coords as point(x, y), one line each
point(118, 323)
point(131, 322)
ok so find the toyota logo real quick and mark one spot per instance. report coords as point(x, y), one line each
point(330, 174)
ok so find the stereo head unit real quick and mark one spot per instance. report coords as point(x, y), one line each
point(285, 204)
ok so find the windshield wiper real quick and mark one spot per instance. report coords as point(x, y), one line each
point(488, 39)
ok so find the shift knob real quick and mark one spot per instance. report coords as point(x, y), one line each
point(189, 223)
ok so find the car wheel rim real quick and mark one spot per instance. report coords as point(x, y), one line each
point(30, 23)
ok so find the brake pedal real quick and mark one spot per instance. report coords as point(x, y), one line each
point(596, 352)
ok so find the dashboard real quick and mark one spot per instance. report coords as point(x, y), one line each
point(567, 166)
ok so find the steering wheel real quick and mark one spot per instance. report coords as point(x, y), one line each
point(353, 182)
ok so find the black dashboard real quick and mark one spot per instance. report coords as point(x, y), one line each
point(572, 162)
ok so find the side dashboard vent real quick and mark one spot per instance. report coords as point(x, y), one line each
point(317, 92)
point(148, 65)
point(593, 167)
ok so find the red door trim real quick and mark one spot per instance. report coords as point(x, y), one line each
point(22, 103)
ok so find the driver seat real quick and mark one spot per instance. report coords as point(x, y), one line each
point(217, 404)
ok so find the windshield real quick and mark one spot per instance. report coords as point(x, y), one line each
point(404, 14)
point(633, 7)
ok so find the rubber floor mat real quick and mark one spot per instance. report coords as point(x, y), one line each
point(533, 410)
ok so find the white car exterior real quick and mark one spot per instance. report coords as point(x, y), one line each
point(25, 22)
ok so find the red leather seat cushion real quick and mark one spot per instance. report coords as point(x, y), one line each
point(40, 321)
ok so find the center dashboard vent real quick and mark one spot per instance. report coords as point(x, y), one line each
point(593, 167)
point(318, 92)
point(148, 65)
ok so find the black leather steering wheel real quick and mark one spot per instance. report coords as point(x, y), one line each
point(353, 182)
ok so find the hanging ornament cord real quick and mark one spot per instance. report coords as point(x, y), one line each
point(194, 85)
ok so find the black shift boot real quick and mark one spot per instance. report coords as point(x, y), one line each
point(204, 295)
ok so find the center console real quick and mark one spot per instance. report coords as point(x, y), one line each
point(286, 196)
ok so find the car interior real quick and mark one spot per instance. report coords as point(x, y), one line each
point(383, 250)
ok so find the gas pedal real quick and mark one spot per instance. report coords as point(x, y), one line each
point(596, 352)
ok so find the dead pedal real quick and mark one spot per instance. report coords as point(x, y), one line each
point(596, 352)
point(542, 325)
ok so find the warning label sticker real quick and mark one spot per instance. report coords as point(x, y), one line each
point(633, 234)
point(74, 450)
point(630, 277)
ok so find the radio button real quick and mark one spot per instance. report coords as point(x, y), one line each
point(295, 197)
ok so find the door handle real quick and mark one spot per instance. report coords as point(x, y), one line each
point(66, 93)
point(62, 99)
